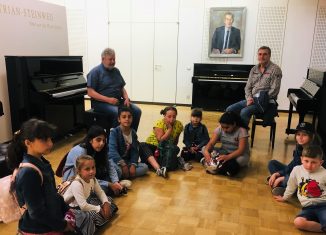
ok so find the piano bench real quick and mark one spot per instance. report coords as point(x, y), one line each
point(258, 121)
point(95, 118)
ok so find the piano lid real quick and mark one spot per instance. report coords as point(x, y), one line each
point(317, 75)
point(52, 74)
point(53, 65)
point(222, 70)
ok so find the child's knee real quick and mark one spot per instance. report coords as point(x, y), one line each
point(300, 222)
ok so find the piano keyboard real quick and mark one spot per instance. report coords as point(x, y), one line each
point(294, 97)
point(70, 92)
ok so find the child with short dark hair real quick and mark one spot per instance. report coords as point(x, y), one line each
point(309, 181)
point(195, 136)
point(124, 147)
point(234, 152)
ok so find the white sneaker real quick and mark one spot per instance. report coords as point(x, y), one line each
point(211, 168)
point(187, 166)
point(126, 183)
point(162, 172)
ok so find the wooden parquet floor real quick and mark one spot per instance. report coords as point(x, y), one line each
point(194, 202)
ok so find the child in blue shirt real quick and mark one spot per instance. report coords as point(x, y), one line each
point(195, 136)
point(124, 147)
point(45, 207)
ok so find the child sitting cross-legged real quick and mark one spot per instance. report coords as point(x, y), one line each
point(195, 136)
point(85, 196)
point(309, 181)
point(304, 135)
point(234, 152)
point(124, 147)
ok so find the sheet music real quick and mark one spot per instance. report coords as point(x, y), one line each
point(310, 87)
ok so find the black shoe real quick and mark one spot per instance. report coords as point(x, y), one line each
point(278, 191)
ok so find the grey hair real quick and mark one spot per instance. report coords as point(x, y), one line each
point(107, 52)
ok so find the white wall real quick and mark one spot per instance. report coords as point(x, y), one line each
point(25, 32)
point(297, 46)
point(287, 26)
point(294, 29)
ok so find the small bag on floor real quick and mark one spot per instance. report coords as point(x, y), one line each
point(168, 155)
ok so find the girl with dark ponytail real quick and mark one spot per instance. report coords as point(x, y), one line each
point(234, 152)
point(45, 207)
point(95, 145)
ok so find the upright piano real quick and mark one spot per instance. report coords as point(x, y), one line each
point(216, 86)
point(306, 99)
point(51, 88)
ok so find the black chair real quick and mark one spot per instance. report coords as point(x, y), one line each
point(265, 119)
point(95, 118)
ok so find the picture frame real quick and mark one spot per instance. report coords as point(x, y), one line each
point(226, 31)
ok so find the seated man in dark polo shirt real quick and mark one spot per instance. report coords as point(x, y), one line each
point(105, 86)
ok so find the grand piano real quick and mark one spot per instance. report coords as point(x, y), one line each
point(51, 88)
point(306, 99)
point(216, 86)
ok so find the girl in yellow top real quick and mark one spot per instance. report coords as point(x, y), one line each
point(167, 129)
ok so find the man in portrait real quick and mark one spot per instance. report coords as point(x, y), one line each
point(226, 39)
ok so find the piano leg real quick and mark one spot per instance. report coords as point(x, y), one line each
point(314, 119)
point(301, 117)
point(288, 129)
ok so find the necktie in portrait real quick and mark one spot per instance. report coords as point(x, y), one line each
point(226, 40)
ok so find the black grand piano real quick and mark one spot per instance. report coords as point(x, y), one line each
point(216, 86)
point(306, 99)
point(51, 88)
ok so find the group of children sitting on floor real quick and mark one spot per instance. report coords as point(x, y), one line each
point(97, 169)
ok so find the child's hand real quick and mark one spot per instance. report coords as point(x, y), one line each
point(116, 187)
point(273, 178)
point(168, 125)
point(207, 157)
point(125, 171)
point(223, 158)
point(193, 149)
point(105, 210)
point(69, 227)
point(278, 181)
point(132, 171)
point(279, 198)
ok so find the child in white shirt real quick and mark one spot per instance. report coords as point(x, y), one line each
point(85, 194)
point(309, 181)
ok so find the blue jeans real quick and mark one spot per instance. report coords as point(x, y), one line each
point(141, 169)
point(112, 110)
point(245, 111)
point(276, 166)
point(315, 213)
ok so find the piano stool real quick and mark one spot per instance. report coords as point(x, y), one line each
point(95, 118)
point(258, 120)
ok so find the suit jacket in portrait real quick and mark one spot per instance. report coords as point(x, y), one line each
point(234, 40)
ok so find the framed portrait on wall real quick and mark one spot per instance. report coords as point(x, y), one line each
point(226, 31)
